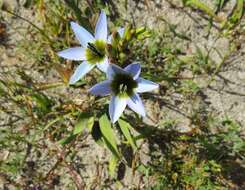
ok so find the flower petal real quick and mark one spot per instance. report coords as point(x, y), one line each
point(116, 107)
point(145, 85)
point(109, 39)
point(103, 66)
point(134, 69)
point(101, 89)
point(135, 103)
point(76, 53)
point(101, 27)
point(82, 34)
point(120, 32)
point(80, 71)
point(114, 69)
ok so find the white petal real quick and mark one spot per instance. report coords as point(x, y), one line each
point(134, 69)
point(116, 107)
point(114, 69)
point(76, 53)
point(101, 27)
point(136, 104)
point(109, 39)
point(145, 85)
point(82, 34)
point(101, 89)
point(80, 71)
point(103, 66)
point(121, 31)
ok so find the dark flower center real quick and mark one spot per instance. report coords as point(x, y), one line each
point(123, 85)
point(95, 52)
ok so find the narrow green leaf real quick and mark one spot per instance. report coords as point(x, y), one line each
point(125, 126)
point(43, 103)
point(197, 4)
point(142, 33)
point(84, 120)
point(67, 140)
point(200, 5)
point(219, 5)
point(113, 165)
point(108, 135)
point(237, 12)
point(1, 89)
point(235, 17)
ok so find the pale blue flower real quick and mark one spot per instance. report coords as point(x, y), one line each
point(124, 85)
point(92, 51)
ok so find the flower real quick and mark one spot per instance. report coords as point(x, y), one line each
point(124, 85)
point(92, 50)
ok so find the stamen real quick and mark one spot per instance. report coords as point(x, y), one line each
point(94, 49)
point(123, 88)
point(123, 85)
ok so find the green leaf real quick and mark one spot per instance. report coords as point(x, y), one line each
point(236, 15)
point(67, 140)
point(79, 83)
point(125, 126)
point(108, 135)
point(2, 91)
point(84, 120)
point(113, 165)
point(43, 103)
point(142, 33)
point(237, 12)
point(128, 33)
point(199, 5)
point(219, 5)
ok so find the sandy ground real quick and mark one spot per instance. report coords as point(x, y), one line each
point(225, 95)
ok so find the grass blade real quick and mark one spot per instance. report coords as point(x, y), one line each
point(108, 135)
point(125, 126)
point(84, 120)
